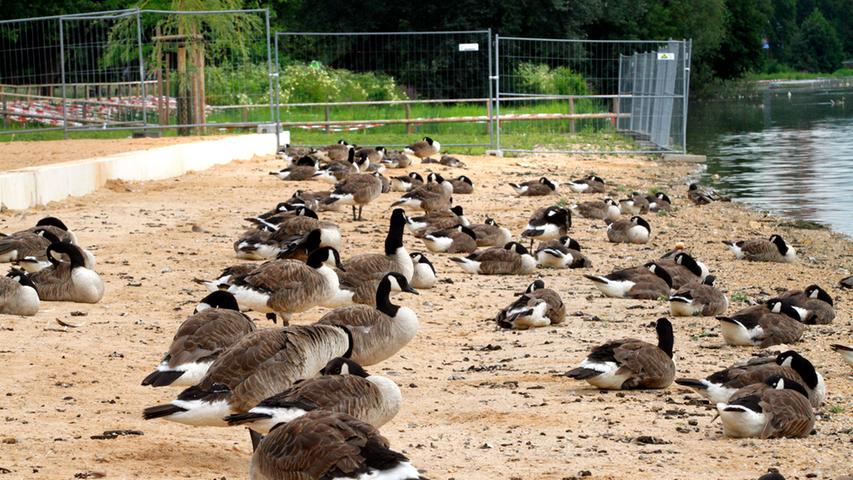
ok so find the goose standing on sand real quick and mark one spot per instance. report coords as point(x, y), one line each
point(698, 299)
point(424, 148)
point(490, 234)
point(424, 276)
point(549, 223)
point(377, 332)
point(649, 282)
point(395, 258)
point(636, 230)
point(535, 188)
point(327, 445)
point(589, 184)
point(629, 363)
point(846, 352)
point(200, 339)
point(759, 250)
point(286, 287)
point(599, 210)
point(816, 301)
point(357, 190)
point(343, 387)
point(562, 253)
point(261, 364)
point(536, 307)
point(720, 386)
point(459, 239)
point(18, 294)
point(511, 259)
point(776, 323)
point(68, 281)
point(777, 408)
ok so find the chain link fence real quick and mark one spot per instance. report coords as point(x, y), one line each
point(199, 72)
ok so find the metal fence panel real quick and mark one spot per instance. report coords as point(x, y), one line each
point(590, 96)
point(385, 87)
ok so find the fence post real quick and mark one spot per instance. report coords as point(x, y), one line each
point(572, 112)
point(270, 71)
point(497, 94)
point(489, 112)
point(62, 77)
point(328, 114)
point(5, 114)
point(408, 109)
point(277, 98)
point(144, 97)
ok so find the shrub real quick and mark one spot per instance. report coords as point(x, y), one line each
point(542, 79)
point(317, 83)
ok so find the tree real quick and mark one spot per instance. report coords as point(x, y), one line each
point(817, 48)
point(741, 48)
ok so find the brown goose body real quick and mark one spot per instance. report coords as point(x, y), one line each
point(589, 184)
point(357, 287)
point(490, 234)
point(424, 148)
point(761, 250)
point(394, 259)
point(461, 186)
point(635, 230)
point(640, 283)
point(555, 255)
point(498, 261)
point(759, 326)
point(630, 363)
point(636, 204)
point(68, 281)
point(296, 173)
point(537, 307)
point(814, 299)
point(227, 276)
point(768, 411)
point(598, 210)
point(458, 239)
point(256, 244)
point(324, 445)
point(357, 190)
point(260, 365)
point(33, 242)
point(427, 198)
point(335, 152)
point(534, 188)
point(18, 295)
point(436, 220)
point(698, 299)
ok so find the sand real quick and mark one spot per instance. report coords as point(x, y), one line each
point(480, 403)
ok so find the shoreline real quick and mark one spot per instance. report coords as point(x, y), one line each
point(479, 403)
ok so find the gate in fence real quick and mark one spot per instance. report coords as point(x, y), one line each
point(194, 71)
point(588, 96)
point(385, 88)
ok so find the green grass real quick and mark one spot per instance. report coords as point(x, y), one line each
point(740, 297)
point(794, 75)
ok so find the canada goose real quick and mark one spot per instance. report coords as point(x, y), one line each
point(777, 408)
point(68, 281)
point(635, 230)
point(846, 282)
point(720, 386)
point(490, 234)
point(256, 244)
point(300, 248)
point(424, 148)
point(438, 220)
point(683, 269)
point(328, 445)
point(310, 200)
point(659, 202)
point(261, 364)
point(33, 242)
point(561, 254)
point(303, 170)
point(288, 152)
point(816, 301)
point(338, 170)
point(636, 204)
point(355, 288)
point(18, 294)
point(343, 387)
point(378, 332)
point(846, 352)
point(37, 262)
point(535, 188)
point(462, 185)
point(356, 190)
point(426, 199)
point(227, 277)
point(547, 223)
point(589, 184)
point(438, 184)
point(394, 259)
point(703, 196)
point(629, 363)
point(698, 299)
point(289, 286)
point(292, 226)
point(649, 282)
point(604, 209)
point(536, 307)
point(200, 339)
point(458, 239)
point(511, 259)
point(778, 324)
point(290, 205)
point(424, 276)
point(772, 475)
point(336, 151)
point(396, 159)
point(452, 162)
point(407, 182)
point(759, 250)
point(373, 155)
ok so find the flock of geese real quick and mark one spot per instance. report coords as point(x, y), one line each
point(312, 409)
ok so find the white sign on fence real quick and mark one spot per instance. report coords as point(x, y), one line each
point(666, 56)
point(469, 47)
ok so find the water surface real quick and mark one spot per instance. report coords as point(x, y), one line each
point(789, 154)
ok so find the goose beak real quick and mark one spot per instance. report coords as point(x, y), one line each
point(341, 267)
point(410, 290)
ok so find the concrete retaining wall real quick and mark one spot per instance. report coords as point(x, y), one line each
point(33, 186)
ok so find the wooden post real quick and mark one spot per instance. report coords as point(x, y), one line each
point(616, 108)
point(5, 114)
point(488, 115)
point(328, 116)
point(409, 127)
point(245, 114)
point(183, 97)
point(572, 112)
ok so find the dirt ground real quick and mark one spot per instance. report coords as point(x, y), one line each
point(480, 403)
point(15, 155)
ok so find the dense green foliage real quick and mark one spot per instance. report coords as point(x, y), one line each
point(318, 83)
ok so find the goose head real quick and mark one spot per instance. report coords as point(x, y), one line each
point(801, 365)
point(463, 178)
point(570, 242)
point(75, 255)
point(537, 284)
point(559, 216)
point(53, 222)
point(710, 280)
point(666, 339)
point(428, 140)
point(548, 183)
point(517, 248)
point(491, 221)
point(685, 260)
point(814, 291)
point(218, 299)
point(21, 277)
point(418, 257)
point(779, 382)
point(325, 257)
point(663, 196)
point(640, 221)
point(344, 366)
point(660, 272)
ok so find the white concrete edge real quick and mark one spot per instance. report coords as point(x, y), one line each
point(29, 187)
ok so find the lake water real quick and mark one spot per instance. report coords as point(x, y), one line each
point(788, 154)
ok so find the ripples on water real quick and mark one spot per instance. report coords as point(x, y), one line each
point(791, 156)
